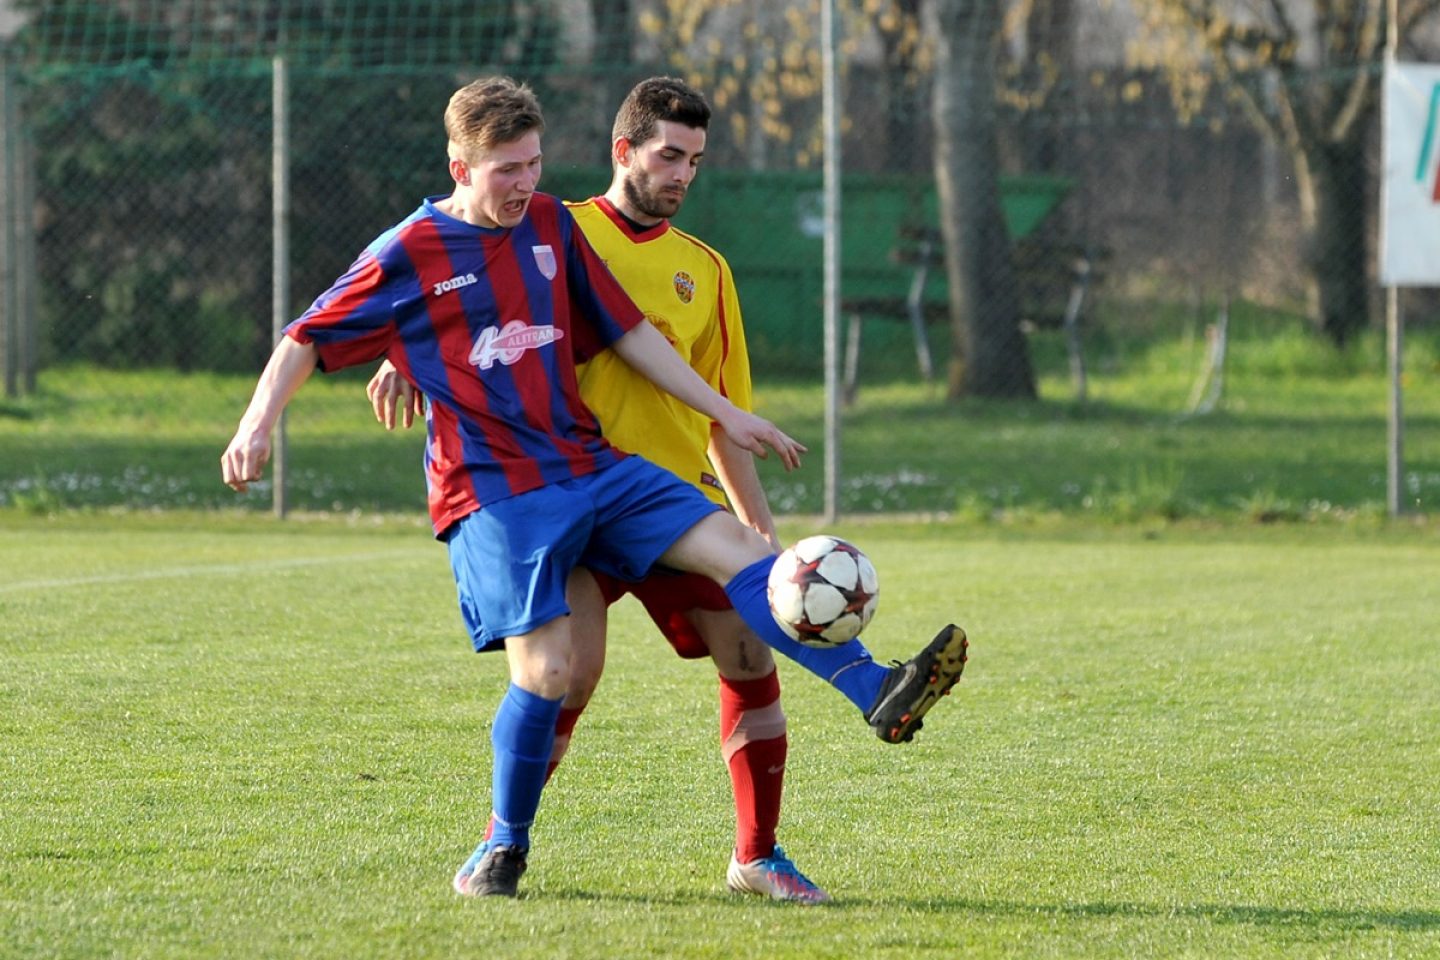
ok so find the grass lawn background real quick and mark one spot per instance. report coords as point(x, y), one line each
point(230, 737)
point(1199, 720)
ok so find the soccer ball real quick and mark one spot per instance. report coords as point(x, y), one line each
point(823, 591)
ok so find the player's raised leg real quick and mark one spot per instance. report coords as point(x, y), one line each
point(894, 699)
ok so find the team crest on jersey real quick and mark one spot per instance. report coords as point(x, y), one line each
point(508, 343)
point(684, 286)
point(545, 260)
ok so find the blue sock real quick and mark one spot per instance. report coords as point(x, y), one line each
point(522, 737)
point(848, 668)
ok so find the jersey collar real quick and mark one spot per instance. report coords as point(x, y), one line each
point(627, 226)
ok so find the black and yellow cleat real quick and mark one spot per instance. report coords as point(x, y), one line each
point(914, 686)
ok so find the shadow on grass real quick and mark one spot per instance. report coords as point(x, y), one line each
point(1242, 914)
point(16, 411)
point(1099, 412)
point(326, 474)
point(1252, 915)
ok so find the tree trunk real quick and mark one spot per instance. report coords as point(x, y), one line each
point(1335, 250)
point(1049, 45)
point(988, 354)
point(904, 114)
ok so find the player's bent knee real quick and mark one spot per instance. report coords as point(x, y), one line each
point(548, 679)
point(540, 660)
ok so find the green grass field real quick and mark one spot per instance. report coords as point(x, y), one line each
point(230, 737)
point(1199, 721)
point(1300, 435)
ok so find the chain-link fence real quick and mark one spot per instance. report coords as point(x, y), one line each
point(1139, 194)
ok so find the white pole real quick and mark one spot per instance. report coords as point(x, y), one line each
point(27, 275)
point(1394, 326)
point(831, 120)
point(1395, 419)
point(9, 239)
point(280, 262)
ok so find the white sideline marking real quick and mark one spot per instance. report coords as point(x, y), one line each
point(205, 570)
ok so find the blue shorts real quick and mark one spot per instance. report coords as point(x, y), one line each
point(511, 558)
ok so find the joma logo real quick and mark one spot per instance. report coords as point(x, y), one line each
point(455, 283)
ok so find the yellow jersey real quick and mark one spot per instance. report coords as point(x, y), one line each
point(687, 293)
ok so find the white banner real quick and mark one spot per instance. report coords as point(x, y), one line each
point(1410, 188)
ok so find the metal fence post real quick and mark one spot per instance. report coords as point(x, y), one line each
point(9, 217)
point(1394, 323)
point(831, 110)
point(27, 267)
point(280, 264)
point(1395, 408)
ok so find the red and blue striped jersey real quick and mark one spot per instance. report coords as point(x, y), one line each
point(489, 323)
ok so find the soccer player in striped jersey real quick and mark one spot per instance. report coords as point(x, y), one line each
point(686, 291)
point(473, 298)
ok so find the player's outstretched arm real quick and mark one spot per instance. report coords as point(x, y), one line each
point(389, 392)
point(735, 467)
point(244, 459)
point(647, 350)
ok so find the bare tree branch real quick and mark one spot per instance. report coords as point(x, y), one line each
point(1283, 124)
point(1287, 26)
point(1410, 17)
point(1367, 51)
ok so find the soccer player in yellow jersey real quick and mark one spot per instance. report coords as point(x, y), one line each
point(687, 292)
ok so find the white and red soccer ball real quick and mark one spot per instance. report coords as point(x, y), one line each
point(823, 591)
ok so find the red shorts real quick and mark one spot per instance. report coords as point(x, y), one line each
point(667, 597)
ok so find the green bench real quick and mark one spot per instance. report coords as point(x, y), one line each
point(770, 227)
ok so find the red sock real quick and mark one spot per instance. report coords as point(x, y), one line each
point(564, 726)
point(753, 742)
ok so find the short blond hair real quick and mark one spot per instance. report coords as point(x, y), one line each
point(488, 112)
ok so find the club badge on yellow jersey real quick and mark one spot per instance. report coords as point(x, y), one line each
point(684, 286)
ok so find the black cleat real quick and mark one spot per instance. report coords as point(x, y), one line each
point(496, 875)
point(914, 686)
